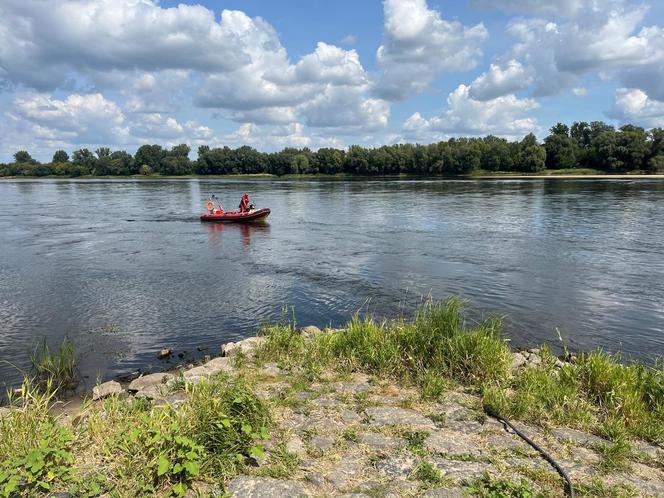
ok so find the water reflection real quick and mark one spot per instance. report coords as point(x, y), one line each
point(245, 230)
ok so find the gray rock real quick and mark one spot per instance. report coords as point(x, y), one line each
point(379, 441)
point(464, 469)
point(350, 417)
point(577, 437)
point(396, 466)
point(310, 331)
point(518, 360)
point(464, 426)
point(217, 365)
point(534, 360)
point(325, 402)
point(149, 380)
point(164, 353)
point(247, 346)
point(106, 389)
point(344, 475)
point(316, 479)
point(322, 443)
point(444, 493)
point(265, 487)
point(196, 374)
point(452, 444)
point(271, 370)
point(388, 415)
point(534, 351)
point(296, 446)
point(151, 392)
point(173, 399)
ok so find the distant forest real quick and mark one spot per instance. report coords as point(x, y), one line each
point(595, 145)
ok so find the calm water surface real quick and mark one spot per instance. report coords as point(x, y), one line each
point(124, 267)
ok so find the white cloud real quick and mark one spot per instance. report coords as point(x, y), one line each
point(500, 80)
point(419, 44)
point(580, 91)
point(505, 116)
point(634, 106)
point(40, 43)
point(602, 38)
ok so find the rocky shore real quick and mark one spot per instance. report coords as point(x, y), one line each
point(358, 435)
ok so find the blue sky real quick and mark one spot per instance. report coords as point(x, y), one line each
point(121, 73)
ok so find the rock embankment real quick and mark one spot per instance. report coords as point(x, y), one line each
point(362, 436)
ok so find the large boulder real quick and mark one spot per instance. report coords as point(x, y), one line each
point(106, 389)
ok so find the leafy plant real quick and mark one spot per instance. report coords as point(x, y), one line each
point(488, 487)
point(48, 463)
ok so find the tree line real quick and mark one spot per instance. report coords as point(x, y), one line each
point(595, 145)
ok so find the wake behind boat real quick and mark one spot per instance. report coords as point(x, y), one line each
point(246, 211)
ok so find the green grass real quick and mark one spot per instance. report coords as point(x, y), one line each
point(54, 370)
point(428, 474)
point(489, 487)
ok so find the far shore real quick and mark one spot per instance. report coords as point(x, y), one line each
point(266, 176)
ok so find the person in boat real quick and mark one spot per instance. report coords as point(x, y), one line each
point(213, 205)
point(244, 203)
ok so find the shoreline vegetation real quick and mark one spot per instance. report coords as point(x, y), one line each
point(583, 148)
point(377, 408)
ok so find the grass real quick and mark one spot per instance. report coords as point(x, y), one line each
point(428, 474)
point(54, 370)
point(489, 487)
point(136, 449)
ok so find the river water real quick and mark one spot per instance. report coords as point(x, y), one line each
point(124, 268)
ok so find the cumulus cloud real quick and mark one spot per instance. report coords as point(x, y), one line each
point(41, 43)
point(632, 105)
point(419, 44)
point(605, 39)
point(502, 116)
point(500, 80)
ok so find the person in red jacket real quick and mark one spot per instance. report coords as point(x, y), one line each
point(244, 203)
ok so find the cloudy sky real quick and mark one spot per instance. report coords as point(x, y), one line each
point(121, 73)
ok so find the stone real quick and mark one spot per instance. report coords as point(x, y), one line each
point(445, 493)
point(452, 444)
point(577, 437)
point(518, 360)
point(463, 469)
point(106, 389)
point(534, 351)
point(379, 441)
point(310, 331)
point(295, 446)
point(247, 346)
point(316, 479)
point(264, 487)
point(271, 370)
point(343, 476)
point(322, 443)
point(396, 466)
point(464, 426)
point(388, 415)
point(174, 399)
point(350, 417)
point(534, 360)
point(164, 353)
point(151, 392)
point(217, 365)
point(196, 374)
point(149, 380)
point(59, 494)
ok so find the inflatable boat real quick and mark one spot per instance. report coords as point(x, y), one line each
point(236, 216)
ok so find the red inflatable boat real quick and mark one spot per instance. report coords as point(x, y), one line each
point(236, 216)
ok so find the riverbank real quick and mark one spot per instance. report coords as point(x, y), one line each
point(373, 409)
point(558, 174)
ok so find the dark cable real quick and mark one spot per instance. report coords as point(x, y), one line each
point(569, 488)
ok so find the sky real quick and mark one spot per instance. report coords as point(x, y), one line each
point(320, 73)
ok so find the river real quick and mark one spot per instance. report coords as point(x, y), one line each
point(124, 267)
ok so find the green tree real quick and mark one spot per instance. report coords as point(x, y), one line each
point(60, 156)
point(531, 156)
point(23, 157)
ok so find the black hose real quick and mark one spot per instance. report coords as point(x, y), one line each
point(569, 488)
